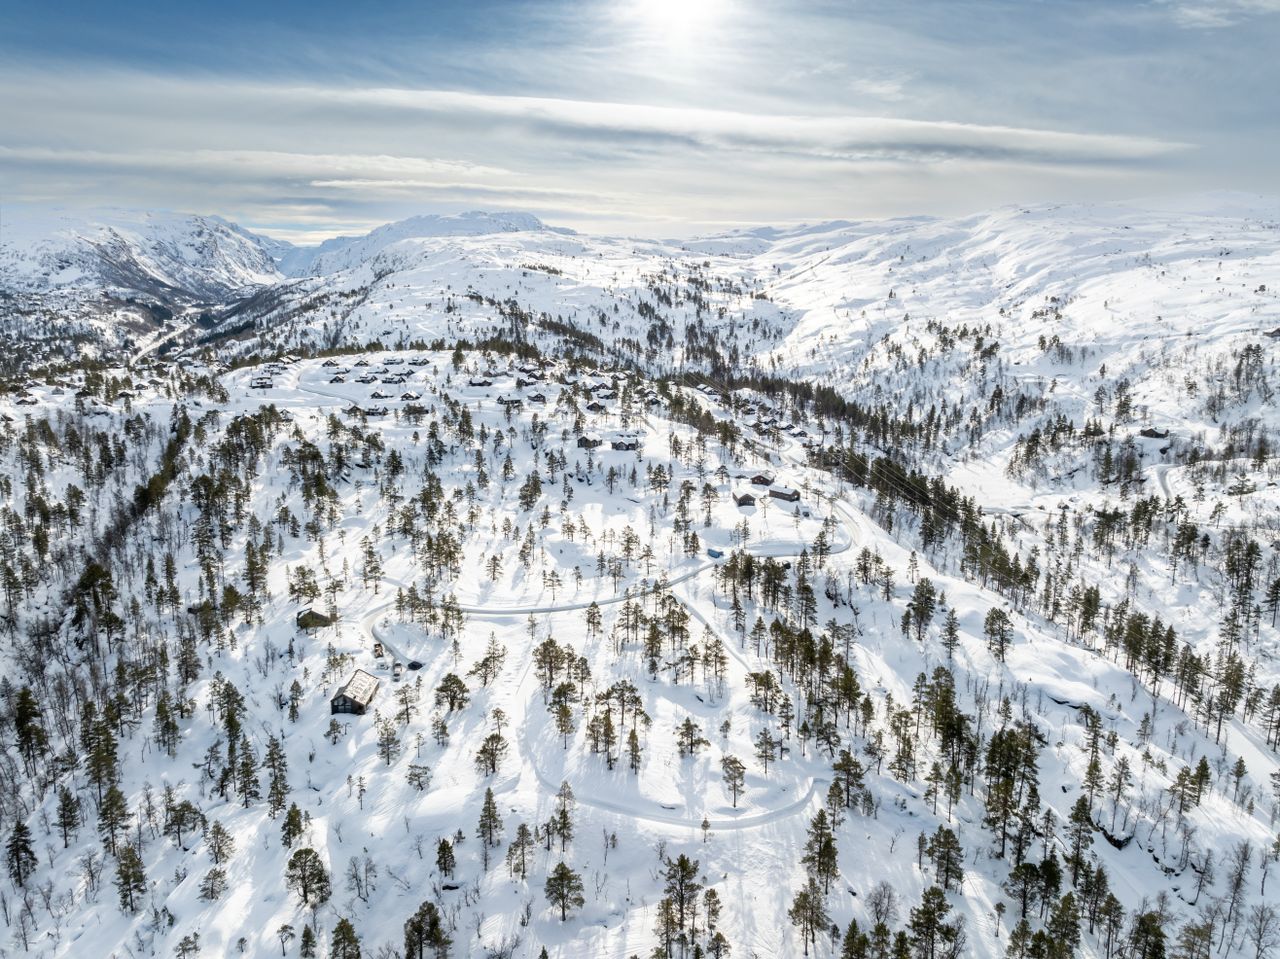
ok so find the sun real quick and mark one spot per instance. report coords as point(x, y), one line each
point(674, 24)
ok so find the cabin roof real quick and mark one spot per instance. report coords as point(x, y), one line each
point(360, 687)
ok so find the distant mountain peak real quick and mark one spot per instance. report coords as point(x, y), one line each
point(345, 252)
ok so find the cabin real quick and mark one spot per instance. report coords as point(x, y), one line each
point(1152, 433)
point(538, 398)
point(785, 493)
point(479, 381)
point(510, 402)
point(595, 407)
point(744, 499)
point(625, 443)
point(410, 395)
point(355, 695)
point(762, 479)
point(338, 378)
point(588, 441)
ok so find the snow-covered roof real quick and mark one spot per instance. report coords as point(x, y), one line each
point(360, 687)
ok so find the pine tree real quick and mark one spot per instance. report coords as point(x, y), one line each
point(563, 890)
point(345, 944)
point(221, 843)
point(247, 783)
point(820, 855)
point(277, 767)
point(1079, 837)
point(424, 934)
point(451, 693)
point(689, 738)
point(520, 851)
point(165, 725)
point(929, 931)
point(19, 855)
point(735, 773)
point(131, 878)
point(419, 776)
point(490, 754)
point(950, 634)
point(388, 740)
point(445, 860)
point(999, 631)
point(634, 752)
point(213, 885)
point(681, 886)
point(1063, 926)
point(948, 858)
point(292, 826)
point(922, 606)
point(68, 818)
point(307, 944)
point(113, 816)
point(31, 738)
point(765, 749)
point(490, 825)
point(808, 913)
point(306, 875)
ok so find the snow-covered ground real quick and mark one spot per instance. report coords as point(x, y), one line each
point(406, 501)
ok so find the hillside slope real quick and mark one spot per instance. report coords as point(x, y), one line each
point(716, 601)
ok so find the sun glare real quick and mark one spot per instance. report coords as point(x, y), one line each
point(674, 24)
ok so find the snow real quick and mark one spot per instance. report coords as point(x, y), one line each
point(1097, 278)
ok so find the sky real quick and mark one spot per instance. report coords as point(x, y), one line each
point(644, 117)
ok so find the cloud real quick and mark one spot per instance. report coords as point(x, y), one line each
point(1216, 14)
point(829, 137)
point(291, 155)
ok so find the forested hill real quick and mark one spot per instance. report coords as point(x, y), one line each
point(476, 587)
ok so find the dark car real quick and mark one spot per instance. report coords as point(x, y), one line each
point(414, 664)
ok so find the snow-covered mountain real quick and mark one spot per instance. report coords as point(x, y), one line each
point(158, 255)
point(346, 252)
point(916, 578)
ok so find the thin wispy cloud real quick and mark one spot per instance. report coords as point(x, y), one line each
point(1218, 14)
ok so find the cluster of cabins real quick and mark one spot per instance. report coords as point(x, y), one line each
point(765, 485)
point(265, 379)
point(620, 441)
point(91, 405)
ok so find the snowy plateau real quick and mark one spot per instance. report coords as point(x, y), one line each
point(476, 587)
